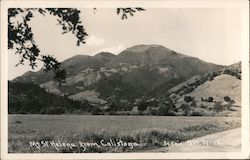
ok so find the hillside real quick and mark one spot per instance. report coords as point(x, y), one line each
point(221, 86)
point(29, 98)
point(216, 93)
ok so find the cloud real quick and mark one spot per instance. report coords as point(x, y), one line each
point(115, 49)
point(94, 41)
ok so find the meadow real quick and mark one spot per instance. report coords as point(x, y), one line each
point(89, 133)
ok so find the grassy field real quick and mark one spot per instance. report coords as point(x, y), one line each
point(87, 133)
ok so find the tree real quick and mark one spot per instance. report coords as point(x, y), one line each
point(185, 108)
point(96, 111)
point(20, 36)
point(142, 106)
point(167, 108)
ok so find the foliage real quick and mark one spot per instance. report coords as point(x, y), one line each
point(124, 12)
point(20, 36)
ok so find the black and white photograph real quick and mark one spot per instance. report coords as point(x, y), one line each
point(92, 78)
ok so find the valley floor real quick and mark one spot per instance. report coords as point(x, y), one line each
point(30, 133)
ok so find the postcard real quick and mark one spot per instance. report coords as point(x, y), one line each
point(124, 79)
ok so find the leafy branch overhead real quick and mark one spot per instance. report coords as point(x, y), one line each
point(124, 12)
point(20, 35)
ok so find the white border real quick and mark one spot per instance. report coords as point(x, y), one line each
point(243, 5)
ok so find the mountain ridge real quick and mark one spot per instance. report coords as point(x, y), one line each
point(142, 75)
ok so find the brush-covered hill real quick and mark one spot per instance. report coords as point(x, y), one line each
point(29, 98)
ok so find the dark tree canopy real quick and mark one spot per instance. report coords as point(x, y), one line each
point(20, 35)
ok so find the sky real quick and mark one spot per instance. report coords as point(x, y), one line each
point(210, 34)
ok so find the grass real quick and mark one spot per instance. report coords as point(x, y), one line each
point(147, 132)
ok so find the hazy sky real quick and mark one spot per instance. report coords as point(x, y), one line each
point(212, 35)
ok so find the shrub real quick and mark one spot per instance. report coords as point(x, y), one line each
point(196, 113)
point(210, 99)
point(154, 111)
point(218, 107)
point(187, 90)
point(55, 110)
point(210, 78)
point(193, 103)
point(203, 106)
point(185, 108)
point(188, 98)
point(166, 111)
point(227, 99)
point(96, 111)
point(239, 77)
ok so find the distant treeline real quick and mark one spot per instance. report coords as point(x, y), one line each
point(29, 98)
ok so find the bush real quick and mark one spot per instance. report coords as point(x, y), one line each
point(154, 111)
point(55, 110)
point(210, 78)
point(96, 111)
point(193, 103)
point(188, 98)
point(227, 99)
point(187, 90)
point(210, 99)
point(196, 113)
point(203, 106)
point(218, 107)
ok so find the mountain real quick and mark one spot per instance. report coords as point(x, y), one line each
point(157, 65)
point(136, 72)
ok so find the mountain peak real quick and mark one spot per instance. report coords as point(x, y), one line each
point(143, 48)
point(75, 59)
point(104, 55)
